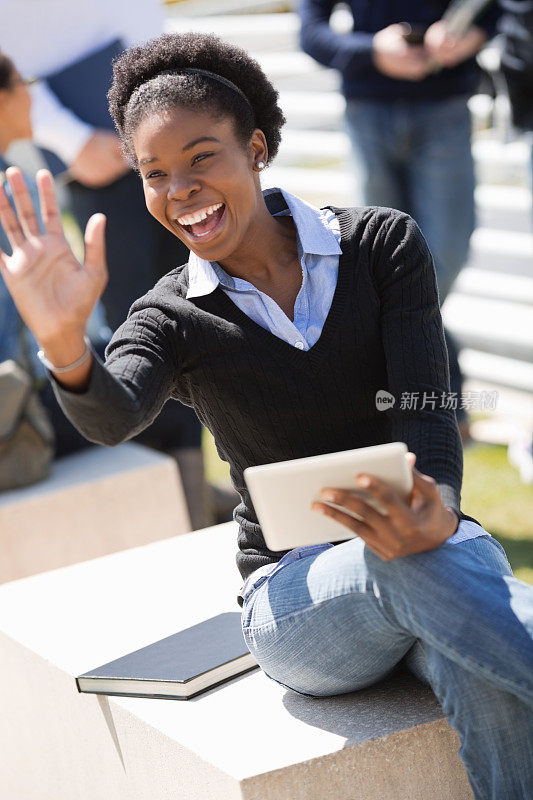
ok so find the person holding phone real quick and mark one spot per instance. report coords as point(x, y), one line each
point(279, 331)
point(406, 80)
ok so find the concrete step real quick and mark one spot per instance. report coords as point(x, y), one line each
point(494, 262)
point(502, 163)
point(497, 327)
point(504, 207)
point(318, 110)
point(507, 206)
point(94, 502)
point(494, 285)
point(390, 740)
point(505, 165)
point(254, 32)
point(511, 419)
point(179, 9)
point(509, 245)
point(317, 186)
point(498, 370)
point(280, 65)
point(309, 148)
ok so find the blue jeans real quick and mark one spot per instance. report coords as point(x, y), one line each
point(334, 619)
point(417, 157)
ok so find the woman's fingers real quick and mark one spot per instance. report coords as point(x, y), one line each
point(385, 496)
point(425, 484)
point(48, 203)
point(23, 202)
point(367, 533)
point(355, 525)
point(9, 221)
point(353, 503)
point(95, 259)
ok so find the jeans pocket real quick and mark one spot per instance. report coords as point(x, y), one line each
point(250, 589)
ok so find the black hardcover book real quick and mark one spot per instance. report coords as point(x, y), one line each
point(178, 667)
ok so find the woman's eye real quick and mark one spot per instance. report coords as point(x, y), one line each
point(154, 174)
point(201, 157)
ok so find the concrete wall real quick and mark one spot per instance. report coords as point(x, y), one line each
point(95, 502)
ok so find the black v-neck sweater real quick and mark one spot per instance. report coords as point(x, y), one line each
point(266, 401)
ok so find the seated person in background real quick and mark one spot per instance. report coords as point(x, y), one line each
point(16, 340)
point(280, 329)
point(177, 430)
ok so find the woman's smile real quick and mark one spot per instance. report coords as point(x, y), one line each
point(203, 224)
point(198, 179)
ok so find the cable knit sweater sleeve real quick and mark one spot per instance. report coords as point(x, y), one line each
point(415, 351)
point(140, 373)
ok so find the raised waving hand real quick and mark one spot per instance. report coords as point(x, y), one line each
point(53, 292)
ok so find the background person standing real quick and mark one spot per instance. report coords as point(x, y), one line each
point(406, 84)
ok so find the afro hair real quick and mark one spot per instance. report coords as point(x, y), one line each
point(146, 78)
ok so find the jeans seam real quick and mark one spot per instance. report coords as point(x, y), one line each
point(295, 614)
point(449, 649)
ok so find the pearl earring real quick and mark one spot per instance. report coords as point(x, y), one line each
point(261, 165)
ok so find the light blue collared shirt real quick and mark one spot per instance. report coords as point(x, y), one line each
point(318, 242)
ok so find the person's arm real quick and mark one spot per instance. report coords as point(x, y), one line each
point(416, 355)
point(341, 51)
point(55, 127)
point(358, 51)
point(119, 399)
point(94, 156)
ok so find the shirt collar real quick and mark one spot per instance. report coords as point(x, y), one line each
point(314, 235)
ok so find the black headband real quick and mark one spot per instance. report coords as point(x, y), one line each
point(213, 76)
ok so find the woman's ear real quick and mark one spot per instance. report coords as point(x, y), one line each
point(258, 150)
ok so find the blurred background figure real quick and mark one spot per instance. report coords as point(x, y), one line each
point(516, 42)
point(406, 80)
point(68, 47)
point(16, 341)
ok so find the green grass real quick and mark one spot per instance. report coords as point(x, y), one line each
point(492, 493)
point(495, 496)
point(216, 470)
point(73, 234)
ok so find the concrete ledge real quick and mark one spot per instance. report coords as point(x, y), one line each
point(248, 739)
point(95, 502)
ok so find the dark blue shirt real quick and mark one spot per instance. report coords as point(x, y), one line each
point(351, 53)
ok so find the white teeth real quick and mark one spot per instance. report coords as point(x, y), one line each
point(198, 216)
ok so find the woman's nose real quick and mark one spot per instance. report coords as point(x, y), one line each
point(182, 186)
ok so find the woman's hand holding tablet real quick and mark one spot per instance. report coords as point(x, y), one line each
point(399, 512)
point(402, 528)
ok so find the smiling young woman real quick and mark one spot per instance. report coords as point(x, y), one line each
point(280, 331)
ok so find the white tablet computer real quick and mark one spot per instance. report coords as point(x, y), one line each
point(282, 493)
